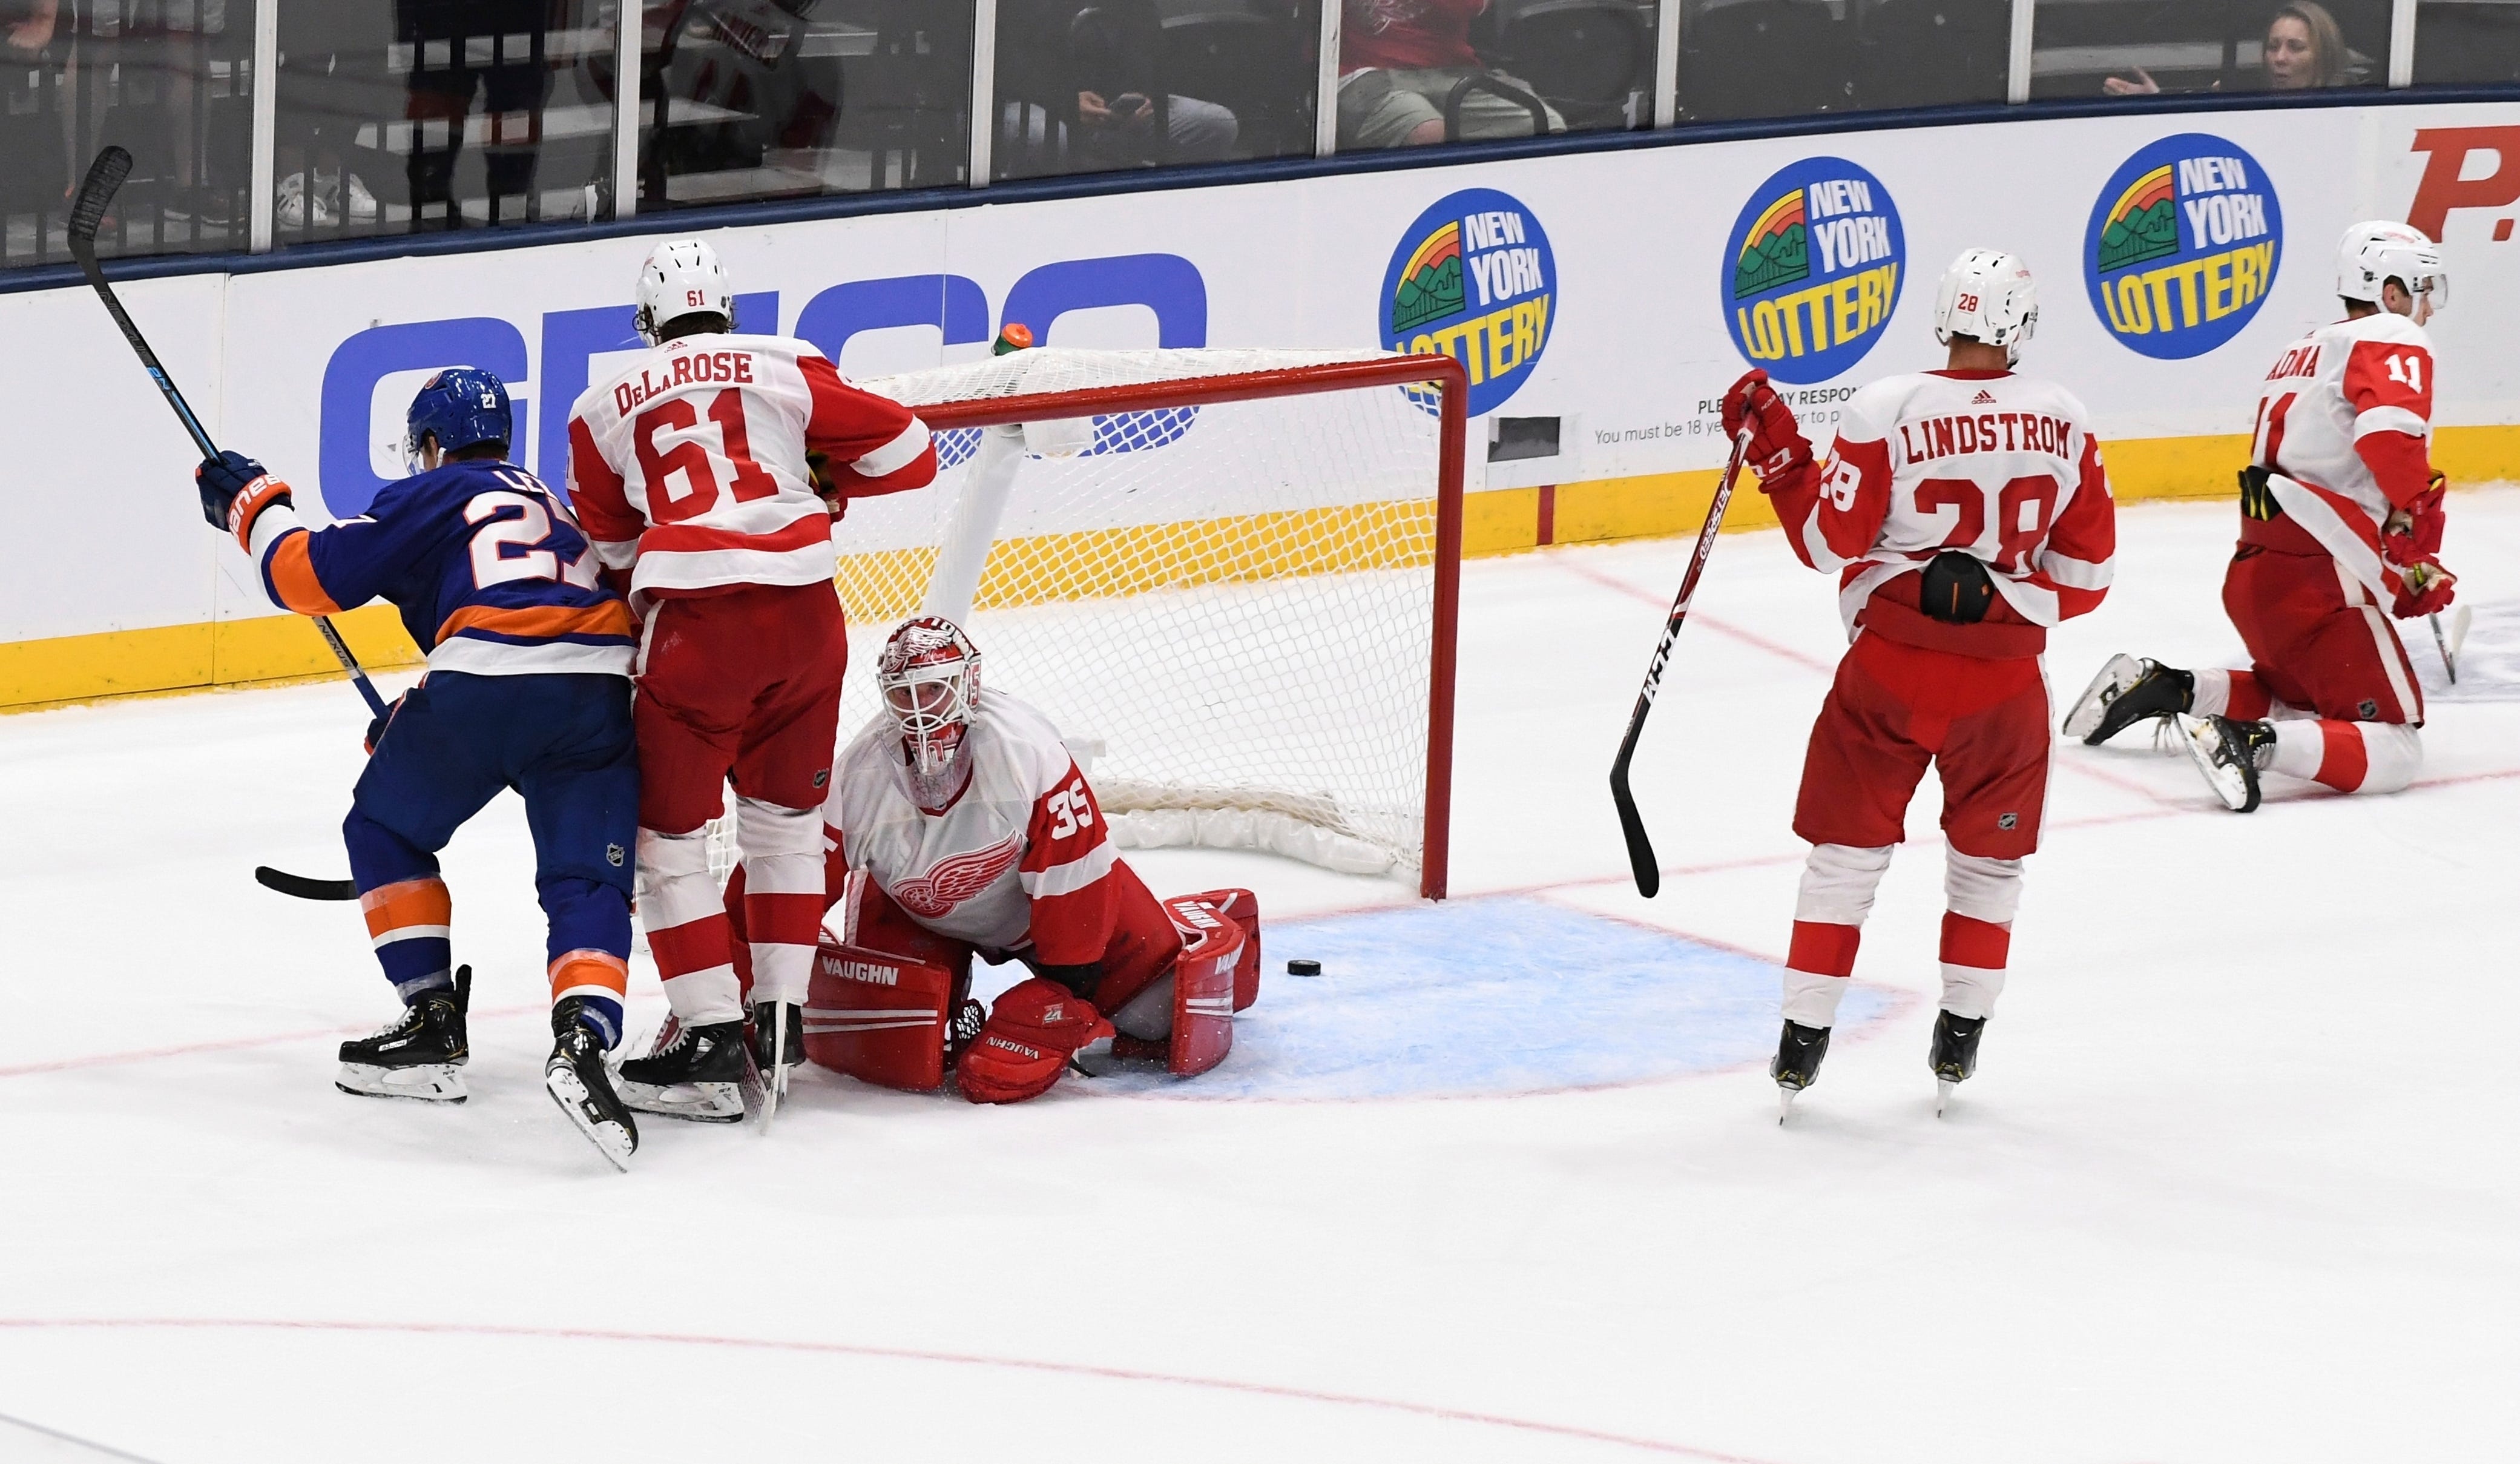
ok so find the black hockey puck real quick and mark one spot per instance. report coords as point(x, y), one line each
point(1303, 968)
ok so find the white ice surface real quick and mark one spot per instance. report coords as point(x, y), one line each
point(2235, 1181)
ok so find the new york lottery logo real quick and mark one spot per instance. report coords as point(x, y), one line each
point(2184, 245)
point(1474, 279)
point(1812, 269)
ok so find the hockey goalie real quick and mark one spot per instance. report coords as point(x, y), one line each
point(957, 824)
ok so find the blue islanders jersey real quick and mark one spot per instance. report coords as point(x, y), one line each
point(486, 565)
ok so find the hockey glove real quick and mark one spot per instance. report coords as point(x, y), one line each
point(818, 469)
point(2413, 534)
point(234, 490)
point(1777, 441)
point(2424, 588)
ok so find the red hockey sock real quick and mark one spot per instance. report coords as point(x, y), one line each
point(1823, 949)
point(2249, 700)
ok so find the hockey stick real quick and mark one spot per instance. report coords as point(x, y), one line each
point(87, 212)
point(301, 886)
point(1641, 854)
point(2451, 641)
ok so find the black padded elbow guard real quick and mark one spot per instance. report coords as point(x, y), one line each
point(1955, 590)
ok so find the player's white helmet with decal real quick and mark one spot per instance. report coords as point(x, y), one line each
point(1988, 296)
point(930, 676)
point(682, 277)
point(2377, 251)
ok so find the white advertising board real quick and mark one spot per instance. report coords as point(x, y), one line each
point(1617, 293)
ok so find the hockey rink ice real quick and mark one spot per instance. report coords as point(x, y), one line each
point(2234, 1180)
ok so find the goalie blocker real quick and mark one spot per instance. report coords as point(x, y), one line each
point(885, 1012)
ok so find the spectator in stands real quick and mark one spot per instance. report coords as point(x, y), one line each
point(1105, 58)
point(2304, 49)
point(1400, 60)
point(29, 27)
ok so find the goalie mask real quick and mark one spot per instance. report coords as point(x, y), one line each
point(930, 676)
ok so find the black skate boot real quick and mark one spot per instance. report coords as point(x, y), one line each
point(418, 1055)
point(693, 1073)
point(582, 1086)
point(2231, 755)
point(1955, 1055)
point(778, 1044)
point(2128, 691)
point(1797, 1063)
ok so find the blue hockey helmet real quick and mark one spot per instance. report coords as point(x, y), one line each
point(462, 406)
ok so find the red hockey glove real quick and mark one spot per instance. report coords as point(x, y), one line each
point(1777, 441)
point(2413, 532)
point(1027, 1042)
point(818, 467)
point(2424, 588)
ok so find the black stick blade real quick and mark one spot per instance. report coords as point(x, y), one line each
point(1640, 855)
point(104, 177)
point(301, 886)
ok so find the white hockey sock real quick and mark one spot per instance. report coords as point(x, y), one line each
point(1983, 895)
point(678, 903)
point(2213, 694)
point(782, 894)
point(1838, 883)
point(2348, 756)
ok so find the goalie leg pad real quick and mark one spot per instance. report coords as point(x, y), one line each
point(1030, 1035)
point(878, 1017)
point(1243, 907)
point(1203, 984)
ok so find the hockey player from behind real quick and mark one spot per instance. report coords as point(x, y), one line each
point(709, 469)
point(528, 687)
point(1965, 512)
point(2340, 514)
point(961, 825)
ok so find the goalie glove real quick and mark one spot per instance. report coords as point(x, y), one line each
point(1777, 443)
point(1025, 1044)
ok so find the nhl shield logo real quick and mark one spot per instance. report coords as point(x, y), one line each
point(613, 854)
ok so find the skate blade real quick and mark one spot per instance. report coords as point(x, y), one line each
point(699, 1102)
point(774, 1091)
point(1785, 1104)
point(616, 1141)
point(1943, 1088)
point(2114, 678)
point(2229, 783)
point(430, 1082)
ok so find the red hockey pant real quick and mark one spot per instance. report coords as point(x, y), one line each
point(2318, 641)
point(747, 685)
point(1895, 708)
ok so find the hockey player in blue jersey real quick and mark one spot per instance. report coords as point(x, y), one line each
point(528, 687)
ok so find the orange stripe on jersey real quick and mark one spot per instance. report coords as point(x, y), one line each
point(589, 970)
point(406, 906)
point(543, 622)
point(293, 577)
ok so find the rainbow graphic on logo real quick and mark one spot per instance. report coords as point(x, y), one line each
point(2142, 226)
point(1430, 283)
point(1777, 250)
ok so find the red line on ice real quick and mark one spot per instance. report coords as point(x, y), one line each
point(896, 1355)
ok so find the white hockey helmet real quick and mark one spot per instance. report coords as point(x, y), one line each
point(2376, 251)
point(1988, 296)
point(682, 277)
point(929, 678)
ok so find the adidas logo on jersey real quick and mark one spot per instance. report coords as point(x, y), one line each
point(1983, 398)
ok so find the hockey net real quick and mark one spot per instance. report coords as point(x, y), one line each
point(1229, 578)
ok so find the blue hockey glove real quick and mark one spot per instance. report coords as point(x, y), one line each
point(222, 479)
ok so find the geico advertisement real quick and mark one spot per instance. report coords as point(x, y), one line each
point(1617, 294)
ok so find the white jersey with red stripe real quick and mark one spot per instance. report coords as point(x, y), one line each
point(1019, 860)
point(1999, 466)
point(2333, 388)
point(688, 466)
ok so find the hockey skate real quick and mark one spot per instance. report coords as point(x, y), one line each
point(2128, 691)
point(580, 1084)
point(1955, 1054)
point(778, 1044)
point(695, 1073)
point(2230, 756)
point(1797, 1063)
point(417, 1057)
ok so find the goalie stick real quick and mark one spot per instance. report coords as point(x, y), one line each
point(1641, 854)
point(87, 212)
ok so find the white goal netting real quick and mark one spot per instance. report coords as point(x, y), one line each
point(1227, 608)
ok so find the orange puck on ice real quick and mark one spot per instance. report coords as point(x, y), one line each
point(1303, 968)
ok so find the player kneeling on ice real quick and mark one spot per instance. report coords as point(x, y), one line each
point(2340, 514)
point(961, 825)
point(528, 687)
point(1964, 512)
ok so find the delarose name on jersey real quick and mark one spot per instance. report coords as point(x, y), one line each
point(734, 367)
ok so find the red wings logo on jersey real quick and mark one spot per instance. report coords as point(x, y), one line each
point(955, 878)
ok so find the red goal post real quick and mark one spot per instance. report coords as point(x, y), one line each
point(1226, 519)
